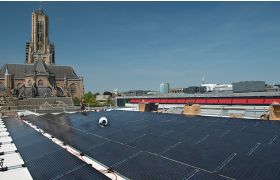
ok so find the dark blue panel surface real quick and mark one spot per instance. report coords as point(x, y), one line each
point(184, 136)
point(203, 175)
point(204, 158)
point(244, 167)
point(266, 151)
point(53, 164)
point(69, 135)
point(258, 138)
point(147, 166)
point(110, 153)
point(103, 131)
point(238, 146)
point(153, 144)
point(38, 149)
point(23, 133)
point(86, 142)
point(178, 127)
point(28, 140)
point(19, 128)
point(84, 172)
point(124, 136)
point(14, 124)
point(154, 131)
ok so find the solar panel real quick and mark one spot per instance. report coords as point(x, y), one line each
point(198, 174)
point(124, 136)
point(178, 127)
point(28, 140)
point(244, 167)
point(143, 165)
point(38, 149)
point(110, 153)
point(153, 144)
point(258, 138)
point(204, 158)
point(23, 133)
point(19, 128)
point(14, 124)
point(86, 142)
point(153, 131)
point(69, 135)
point(127, 144)
point(83, 172)
point(266, 151)
point(53, 165)
point(185, 137)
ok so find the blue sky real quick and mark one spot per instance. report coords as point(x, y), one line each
point(138, 45)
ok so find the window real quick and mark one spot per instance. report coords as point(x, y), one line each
point(40, 83)
point(18, 85)
point(73, 88)
point(29, 83)
point(2, 87)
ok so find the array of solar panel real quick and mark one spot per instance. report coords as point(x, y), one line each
point(44, 158)
point(160, 146)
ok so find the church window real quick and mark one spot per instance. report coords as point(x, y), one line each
point(29, 83)
point(40, 83)
point(2, 87)
point(73, 88)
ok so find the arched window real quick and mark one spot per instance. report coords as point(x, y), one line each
point(2, 87)
point(73, 88)
point(40, 83)
point(29, 83)
point(18, 85)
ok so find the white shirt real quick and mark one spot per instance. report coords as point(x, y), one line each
point(101, 120)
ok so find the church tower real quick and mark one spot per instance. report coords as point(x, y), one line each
point(39, 43)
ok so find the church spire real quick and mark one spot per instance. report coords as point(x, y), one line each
point(7, 72)
point(40, 11)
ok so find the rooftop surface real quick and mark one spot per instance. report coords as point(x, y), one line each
point(150, 145)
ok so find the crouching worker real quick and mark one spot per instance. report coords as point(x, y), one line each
point(103, 121)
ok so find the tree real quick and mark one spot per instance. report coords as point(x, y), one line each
point(93, 102)
point(76, 101)
point(95, 94)
point(109, 102)
point(87, 96)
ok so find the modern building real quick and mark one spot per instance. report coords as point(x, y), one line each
point(176, 90)
point(39, 76)
point(248, 86)
point(164, 87)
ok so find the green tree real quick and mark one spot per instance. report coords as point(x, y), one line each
point(93, 102)
point(109, 102)
point(76, 101)
point(87, 96)
point(95, 94)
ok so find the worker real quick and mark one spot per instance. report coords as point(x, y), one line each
point(103, 121)
point(82, 104)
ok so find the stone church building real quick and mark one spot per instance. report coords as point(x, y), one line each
point(39, 76)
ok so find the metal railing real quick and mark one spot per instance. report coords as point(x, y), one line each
point(215, 110)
